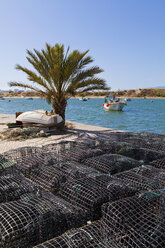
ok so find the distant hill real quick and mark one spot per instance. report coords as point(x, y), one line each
point(159, 87)
point(152, 92)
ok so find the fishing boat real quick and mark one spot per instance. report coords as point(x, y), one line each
point(40, 116)
point(113, 103)
point(83, 99)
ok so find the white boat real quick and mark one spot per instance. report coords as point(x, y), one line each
point(40, 116)
point(83, 99)
point(111, 103)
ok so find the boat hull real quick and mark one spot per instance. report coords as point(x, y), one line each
point(83, 99)
point(114, 106)
point(39, 117)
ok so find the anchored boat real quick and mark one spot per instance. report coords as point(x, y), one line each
point(83, 99)
point(113, 103)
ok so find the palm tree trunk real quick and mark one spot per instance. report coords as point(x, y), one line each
point(59, 108)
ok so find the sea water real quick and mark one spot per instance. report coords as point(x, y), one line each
point(140, 115)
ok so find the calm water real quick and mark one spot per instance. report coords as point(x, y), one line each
point(139, 114)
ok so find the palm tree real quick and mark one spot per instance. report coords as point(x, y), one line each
point(59, 75)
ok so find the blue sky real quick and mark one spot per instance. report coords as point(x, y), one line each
point(125, 37)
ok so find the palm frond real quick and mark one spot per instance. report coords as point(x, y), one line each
point(83, 74)
point(58, 74)
point(90, 88)
point(92, 82)
point(39, 63)
point(87, 60)
point(32, 76)
point(26, 86)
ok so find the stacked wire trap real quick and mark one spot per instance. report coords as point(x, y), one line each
point(135, 222)
point(86, 193)
point(72, 151)
point(141, 154)
point(36, 218)
point(114, 179)
point(6, 165)
point(13, 186)
point(111, 163)
point(85, 237)
point(159, 163)
point(119, 140)
point(28, 159)
point(144, 178)
point(50, 178)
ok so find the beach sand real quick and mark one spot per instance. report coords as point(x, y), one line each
point(78, 130)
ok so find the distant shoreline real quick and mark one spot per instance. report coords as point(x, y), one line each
point(97, 97)
point(136, 93)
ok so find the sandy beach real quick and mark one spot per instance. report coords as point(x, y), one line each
point(78, 130)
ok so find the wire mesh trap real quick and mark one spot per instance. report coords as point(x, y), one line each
point(137, 181)
point(21, 152)
point(48, 178)
point(34, 219)
point(122, 136)
point(135, 222)
point(30, 158)
point(151, 173)
point(114, 188)
point(85, 237)
point(144, 177)
point(86, 193)
point(74, 170)
point(134, 140)
point(141, 154)
point(117, 136)
point(68, 145)
point(119, 189)
point(72, 151)
point(12, 186)
point(6, 165)
point(80, 173)
point(111, 163)
point(152, 144)
point(111, 146)
point(159, 163)
point(90, 193)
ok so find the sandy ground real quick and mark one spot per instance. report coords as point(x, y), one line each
point(79, 130)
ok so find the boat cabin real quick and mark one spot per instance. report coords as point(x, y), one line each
point(111, 98)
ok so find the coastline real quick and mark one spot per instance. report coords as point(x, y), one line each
point(90, 97)
point(77, 131)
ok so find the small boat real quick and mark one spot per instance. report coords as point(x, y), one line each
point(112, 103)
point(83, 99)
point(40, 116)
point(30, 98)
